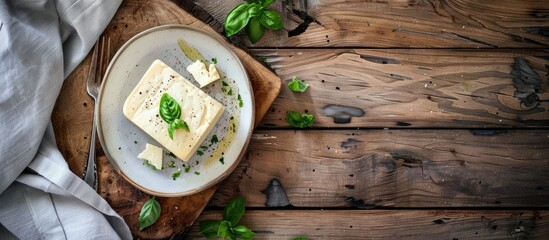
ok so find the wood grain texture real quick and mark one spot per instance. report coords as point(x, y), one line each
point(72, 119)
point(392, 224)
point(406, 87)
point(394, 168)
point(403, 23)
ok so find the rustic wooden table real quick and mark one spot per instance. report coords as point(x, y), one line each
point(419, 132)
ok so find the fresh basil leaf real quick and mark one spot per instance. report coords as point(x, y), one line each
point(266, 3)
point(150, 212)
point(169, 108)
point(297, 86)
point(214, 60)
point(254, 10)
point(237, 19)
point(255, 30)
point(234, 211)
point(209, 228)
point(214, 139)
point(187, 168)
point(298, 120)
point(176, 124)
point(243, 232)
point(271, 20)
point(300, 238)
point(224, 230)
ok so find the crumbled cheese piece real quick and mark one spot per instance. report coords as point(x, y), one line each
point(153, 155)
point(202, 75)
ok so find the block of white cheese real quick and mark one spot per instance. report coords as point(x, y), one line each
point(153, 155)
point(202, 75)
point(200, 111)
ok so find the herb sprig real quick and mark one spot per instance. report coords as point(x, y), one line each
point(255, 15)
point(228, 227)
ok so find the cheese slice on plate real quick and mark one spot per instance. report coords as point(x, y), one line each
point(200, 111)
point(153, 155)
point(202, 75)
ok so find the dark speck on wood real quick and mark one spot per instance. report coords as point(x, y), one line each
point(350, 186)
point(487, 132)
point(275, 194)
point(359, 203)
point(439, 221)
point(404, 124)
point(380, 60)
point(342, 114)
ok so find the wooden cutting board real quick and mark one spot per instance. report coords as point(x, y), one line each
point(73, 111)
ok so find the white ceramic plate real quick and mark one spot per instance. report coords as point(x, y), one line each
point(122, 141)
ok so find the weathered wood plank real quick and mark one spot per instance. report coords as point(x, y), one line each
point(392, 168)
point(391, 224)
point(407, 87)
point(408, 23)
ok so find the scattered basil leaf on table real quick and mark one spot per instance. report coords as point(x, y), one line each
point(150, 212)
point(237, 19)
point(228, 227)
point(234, 211)
point(255, 30)
point(170, 111)
point(209, 228)
point(297, 86)
point(225, 230)
point(299, 120)
point(254, 15)
point(243, 232)
point(300, 238)
point(271, 20)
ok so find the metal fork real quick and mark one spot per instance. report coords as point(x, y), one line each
point(93, 84)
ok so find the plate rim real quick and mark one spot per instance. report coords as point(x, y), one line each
point(99, 103)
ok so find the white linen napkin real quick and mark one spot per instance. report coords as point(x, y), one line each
point(41, 42)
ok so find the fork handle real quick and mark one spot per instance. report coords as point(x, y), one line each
point(90, 176)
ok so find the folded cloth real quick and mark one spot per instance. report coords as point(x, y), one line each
point(41, 42)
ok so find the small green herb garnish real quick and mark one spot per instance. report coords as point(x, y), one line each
point(214, 60)
point(199, 153)
point(148, 164)
point(299, 120)
point(226, 89)
point(204, 147)
point(297, 85)
point(196, 173)
point(150, 212)
point(228, 227)
point(214, 139)
point(222, 160)
point(187, 168)
point(170, 111)
point(176, 175)
point(240, 102)
point(172, 155)
point(256, 16)
point(171, 164)
point(300, 238)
